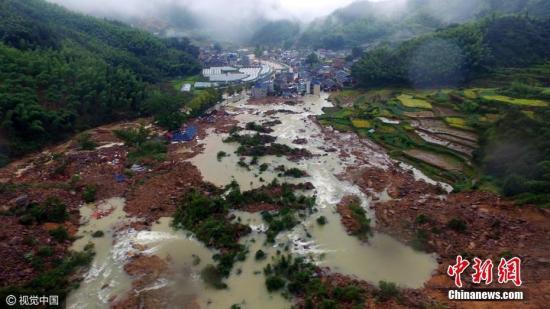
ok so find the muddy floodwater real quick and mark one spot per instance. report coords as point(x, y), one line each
point(381, 258)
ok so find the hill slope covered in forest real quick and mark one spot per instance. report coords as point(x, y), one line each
point(63, 72)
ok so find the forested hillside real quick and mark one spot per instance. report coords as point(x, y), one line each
point(367, 23)
point(496, 67)
point(61, 72)
point(276, 33)
point(457, 54)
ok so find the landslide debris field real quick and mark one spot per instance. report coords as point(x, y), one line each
point(273, 204)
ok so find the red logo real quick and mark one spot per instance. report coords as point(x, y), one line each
point(457, 269)
point(508, 270)
point(483, 272)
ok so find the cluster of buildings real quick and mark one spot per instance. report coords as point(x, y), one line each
point(286, 73)
point(230, 75)
point(300, 76)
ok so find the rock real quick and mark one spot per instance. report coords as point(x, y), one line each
point(22, 201)
point(543, 261)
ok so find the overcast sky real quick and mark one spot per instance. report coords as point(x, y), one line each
point(305, 10)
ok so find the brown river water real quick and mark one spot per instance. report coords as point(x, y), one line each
point(382, 258)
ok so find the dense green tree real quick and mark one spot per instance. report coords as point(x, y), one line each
point(63, 72)
point(456, 54)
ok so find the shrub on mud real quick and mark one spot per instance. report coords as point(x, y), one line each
point(295, 172)
point(98, 234)
point(85, 142)
point(260, 255)
point(60, 234)
point(298, 277)
point(360, 215)
point(457, 225)
point(278, 222)
point(422, 219)
point(89, 194)
point(221, 155)
point(420, 240)
point(274, 283)
point(388, 290)
point(207, 217)
point(52, 210)
point(212, 277)
point(322, 220)
point(142, 146)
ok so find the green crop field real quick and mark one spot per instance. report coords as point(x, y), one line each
point(361, 123)
point(457, 122)
point(522, 102)
point(409, 101)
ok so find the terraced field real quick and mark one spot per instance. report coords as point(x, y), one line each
point(436, 130)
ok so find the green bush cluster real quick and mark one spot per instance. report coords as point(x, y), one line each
point(142, 145)
point(64, 72)
point(51, 210)
point(297, 277)
point(359, 214)
point(89, 193)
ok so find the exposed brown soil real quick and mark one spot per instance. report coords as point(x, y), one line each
point(493, 227)
point(433, 159)
point(146, 271)
point(18, 242)
point(348, 220)
point(156, 193)
point(150, 193)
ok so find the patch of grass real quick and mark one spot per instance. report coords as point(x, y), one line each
point(457, 122)
point(142, 147)
point(85, 142)
point(514, 101)
point(361, 123)
point(410, 101)
point(471, 94)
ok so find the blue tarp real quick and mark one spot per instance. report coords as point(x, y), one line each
point(184, 135)
point(120, 178)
